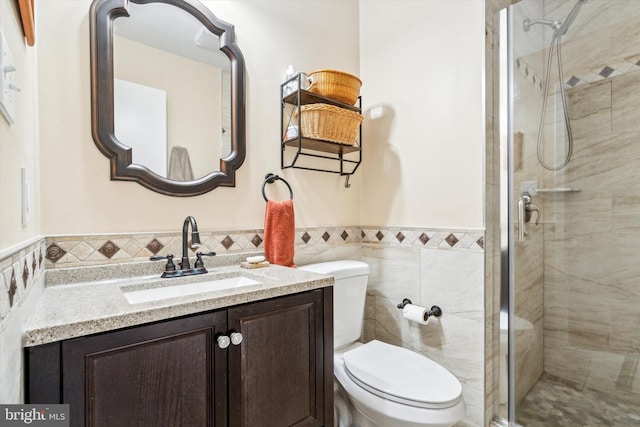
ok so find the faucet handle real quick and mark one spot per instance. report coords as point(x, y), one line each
point(199, 255)
point(170, 265)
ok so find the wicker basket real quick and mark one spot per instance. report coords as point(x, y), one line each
point(329, 123)
point(336, 85)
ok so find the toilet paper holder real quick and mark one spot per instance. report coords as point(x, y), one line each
point(435, 310)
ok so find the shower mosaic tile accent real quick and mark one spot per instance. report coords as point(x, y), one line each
point(627, 65)
point(75, 251)
point(600, 73)
point(618, 68)
point(527, 71)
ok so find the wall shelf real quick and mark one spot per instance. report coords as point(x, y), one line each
point(320, 145)
point(335, 158)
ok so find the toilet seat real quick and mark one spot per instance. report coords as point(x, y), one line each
point(402, 376)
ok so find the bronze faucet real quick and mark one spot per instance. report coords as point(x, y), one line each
point(185, 267)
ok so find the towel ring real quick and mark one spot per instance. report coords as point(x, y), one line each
point(270, 179)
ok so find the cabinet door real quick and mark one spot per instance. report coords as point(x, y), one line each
point(277, 374)
point(164, 374)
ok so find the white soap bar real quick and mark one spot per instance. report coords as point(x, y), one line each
point(255, 259)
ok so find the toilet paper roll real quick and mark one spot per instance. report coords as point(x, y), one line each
point(416, 313)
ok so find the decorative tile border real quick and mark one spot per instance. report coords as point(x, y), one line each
point(528, 72)
point(426, 237)
point(624, 66)
point(76, 251)
point(18, 272)
point(23, 269)
point(618, 68)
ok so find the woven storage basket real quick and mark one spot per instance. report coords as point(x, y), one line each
point(330, 123)
point(336, 85)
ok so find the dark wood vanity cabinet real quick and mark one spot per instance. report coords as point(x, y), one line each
point(174, 373)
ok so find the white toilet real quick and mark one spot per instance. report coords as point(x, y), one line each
point(379, 384)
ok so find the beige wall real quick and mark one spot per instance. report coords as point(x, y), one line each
point(78, 196)
point(422, 166)
point(421, 65)
point(19, 142)
point(19, 244)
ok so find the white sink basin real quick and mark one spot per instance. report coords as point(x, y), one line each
point(181, 290)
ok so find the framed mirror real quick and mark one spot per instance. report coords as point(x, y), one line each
point(167, 94)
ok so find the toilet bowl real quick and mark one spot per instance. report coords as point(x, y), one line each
point(379, 384)
point(395, 387)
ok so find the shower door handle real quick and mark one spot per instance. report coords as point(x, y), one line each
point(523, 201)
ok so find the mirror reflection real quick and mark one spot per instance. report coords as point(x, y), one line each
point(172, 92)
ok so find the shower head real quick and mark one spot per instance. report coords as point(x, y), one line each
point(570, 17)
point(559, 28)
point(528, 23)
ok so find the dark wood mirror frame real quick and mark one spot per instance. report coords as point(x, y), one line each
point(102, 15)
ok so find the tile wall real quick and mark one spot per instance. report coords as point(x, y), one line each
point(21, 282)
point(450, 278)
point(77, 251)
point(588, 236)
point(592, 300)
point(429, 266)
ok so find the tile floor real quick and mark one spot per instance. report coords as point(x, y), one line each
point(553, 402)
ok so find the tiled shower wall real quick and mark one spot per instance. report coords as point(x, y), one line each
point(592, 299)
point(585, 298)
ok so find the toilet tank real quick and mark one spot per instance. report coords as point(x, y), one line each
point(349, 294)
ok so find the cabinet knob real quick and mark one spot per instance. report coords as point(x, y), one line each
point(236, 338)
point(223, 341)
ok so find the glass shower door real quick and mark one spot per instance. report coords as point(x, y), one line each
point(571, 211)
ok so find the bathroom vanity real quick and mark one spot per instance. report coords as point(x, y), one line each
point(255, 348)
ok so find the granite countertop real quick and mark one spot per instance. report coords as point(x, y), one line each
point(80, 308)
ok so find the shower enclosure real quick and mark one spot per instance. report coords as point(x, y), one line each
point(569, 130)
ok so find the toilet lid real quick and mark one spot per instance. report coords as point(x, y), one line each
point(402, 376)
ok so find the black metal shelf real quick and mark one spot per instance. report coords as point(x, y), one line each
point(306, 147)
point(307, 97)
point(321, 145)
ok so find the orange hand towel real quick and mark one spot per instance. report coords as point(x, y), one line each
point(279, 233)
